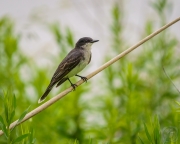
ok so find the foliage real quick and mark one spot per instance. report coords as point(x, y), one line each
point(131, 91)
point(5, 121)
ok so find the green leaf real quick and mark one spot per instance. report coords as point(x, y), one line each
point(1, 95)
point(69, 37)
point(13, 110)
point(11, 117)
point(3, 126)
point(13, 107)
point(23, 115)
point(76, 142)
point(178, 103)
point(31, 139)
point(57, 32)
point(14, 102)
point(147, 133)
point(140, 140)
point(90, 141)
point(156, 131)
point(20, 138)
point(6, 112)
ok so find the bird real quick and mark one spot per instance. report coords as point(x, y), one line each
point(75, 61)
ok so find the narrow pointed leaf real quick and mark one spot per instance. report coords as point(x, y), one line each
point(6, 112)
point(20, 138)
point(140, 140)
point(12, 116)
point(14, 102)
point(23, 115)
point(147, 133)
point(3, 126)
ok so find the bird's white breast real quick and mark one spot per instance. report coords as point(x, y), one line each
point(83, 63)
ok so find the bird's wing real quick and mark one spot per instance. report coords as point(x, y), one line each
point(69, 62)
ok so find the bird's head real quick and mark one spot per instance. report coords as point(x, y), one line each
point(85, 42)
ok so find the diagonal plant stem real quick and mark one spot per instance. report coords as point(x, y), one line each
point(101, 68)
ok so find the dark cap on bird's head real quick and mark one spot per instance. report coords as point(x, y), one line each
point(85, 40)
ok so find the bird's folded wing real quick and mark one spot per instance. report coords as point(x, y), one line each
point(69, 62)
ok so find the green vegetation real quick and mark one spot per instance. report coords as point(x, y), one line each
point(135, 104)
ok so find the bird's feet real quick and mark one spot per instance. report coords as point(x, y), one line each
point(74, 86)
point(83, 78)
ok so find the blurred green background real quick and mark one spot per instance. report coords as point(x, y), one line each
point(134, 101)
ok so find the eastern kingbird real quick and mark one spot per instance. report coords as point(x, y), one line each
point(76, 60)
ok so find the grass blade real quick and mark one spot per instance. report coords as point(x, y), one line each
point(140, 140)
point(147, 133)
point(20, 138)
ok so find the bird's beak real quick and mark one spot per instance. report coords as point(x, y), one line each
point(93, 41)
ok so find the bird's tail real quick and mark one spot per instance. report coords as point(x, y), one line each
point(61, 81)
point(43, 97)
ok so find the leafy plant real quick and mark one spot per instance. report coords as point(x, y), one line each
point(7, 119)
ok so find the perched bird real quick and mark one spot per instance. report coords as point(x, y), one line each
point(76, 60)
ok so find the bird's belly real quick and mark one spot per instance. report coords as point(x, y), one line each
point(81, 65)
point(77, 69)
